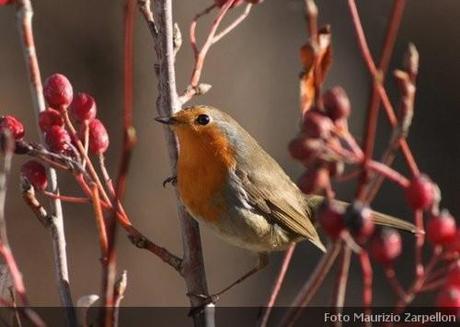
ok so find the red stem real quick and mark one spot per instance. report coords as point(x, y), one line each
point(278, 283)
point(367, 279)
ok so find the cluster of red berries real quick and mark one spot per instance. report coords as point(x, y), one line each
point(384, 244)
point(317, 130)
point(220, 3)
point(58, 93)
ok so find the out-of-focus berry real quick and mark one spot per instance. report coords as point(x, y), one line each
point(57, 139)
point(14, 125)
point(420, 192)
point(6, 2)
point(58, 91)
point(331, 219)
point(453, 277)
point(314, 181)
point(317, 125)
point(386, 246)
point(48, 118)
point(358, 219)
point(98, 137)
point(336, 103)
point(35, 173)
point(454, 245)
point(83, 107)
point(449, 300)
point(304, 149)
point(441, 229)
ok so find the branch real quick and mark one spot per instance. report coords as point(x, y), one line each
point(24, 19)
point(167, 104)
point(378, 79)
point(374, 102)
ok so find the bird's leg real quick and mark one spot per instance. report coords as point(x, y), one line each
point(262, 262)
point(170, 179)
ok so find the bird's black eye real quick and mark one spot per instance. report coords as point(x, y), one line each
point(203, 119)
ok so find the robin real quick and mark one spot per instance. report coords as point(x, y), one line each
point(227, 181)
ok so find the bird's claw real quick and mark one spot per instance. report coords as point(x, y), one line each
point(207, 299)
point(171, 179)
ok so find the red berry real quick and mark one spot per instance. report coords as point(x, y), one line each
point(454, 245)
point(5, 2)
point(314, 181)
point(317, 125)
point(98, 137)
point(420, 193)
point(83, 107)
point(49, 118)
point(330, 216)
point(449, 300)
point(386, 246)
point(441, 229)
point(304, 149)
point(57, 139)
point(336, 103)
point(453, 277)
point(58, 91)
point(14, 125)
point(35, 173)
point(358, 219)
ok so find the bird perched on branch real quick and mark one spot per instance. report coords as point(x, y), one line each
point(227, 181)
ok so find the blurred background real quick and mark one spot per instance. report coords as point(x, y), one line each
point(254, 73)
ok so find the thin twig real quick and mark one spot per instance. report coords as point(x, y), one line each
point(374, 103)
point(341, 281)
point(277, 285)
point(24, 19)
point(119, 293)
point(212, 38)
point(311, 286)
point(378, 83)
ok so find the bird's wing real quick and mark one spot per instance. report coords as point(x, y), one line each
point(272, 194)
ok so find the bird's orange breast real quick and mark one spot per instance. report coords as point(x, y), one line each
point(205, 159)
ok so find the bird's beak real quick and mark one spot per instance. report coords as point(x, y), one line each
point(166, 120)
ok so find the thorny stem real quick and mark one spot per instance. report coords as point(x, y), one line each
point(24, 19)
point(277, 286)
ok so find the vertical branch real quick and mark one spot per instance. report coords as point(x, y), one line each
point(24, 19)
point(111, 291)
point(167, 104)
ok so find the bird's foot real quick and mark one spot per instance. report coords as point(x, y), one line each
point(171, 179)
point(207, 299)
